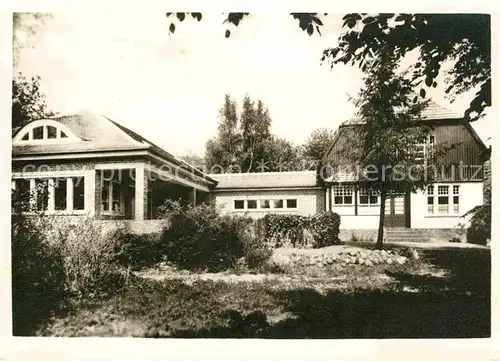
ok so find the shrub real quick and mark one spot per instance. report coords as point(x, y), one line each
point(90, 255)
point(256, 251)
point(199, 238)
point(38, 277)
point(281, 229)
point(479, 230)
point(325, 229)
point(136, 251)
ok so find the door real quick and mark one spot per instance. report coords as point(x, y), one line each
point(397, 212)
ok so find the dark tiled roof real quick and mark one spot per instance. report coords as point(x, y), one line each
point(433, 111)
point(266, 180)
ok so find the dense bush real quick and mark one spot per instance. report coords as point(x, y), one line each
point(57, 261)
point(200, 238)
point(284, 228)
point(136, 251)
point(256, 251)
point(292, 229)
point(479, 231)
point(38, 278)
point(325, 229)
point(89, 253)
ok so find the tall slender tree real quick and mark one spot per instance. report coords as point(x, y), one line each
point(389, 137)
point(225, 149)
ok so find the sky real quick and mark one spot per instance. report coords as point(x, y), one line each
point(169, 88)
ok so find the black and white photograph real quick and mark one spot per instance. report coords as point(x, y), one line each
point(258, 175)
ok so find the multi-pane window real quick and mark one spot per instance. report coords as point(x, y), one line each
point(278, 203)
point(430, 199)
point(60, 194)
point(38, 133)
point(343, 194)
point(44, 132)
point(79, 193)
point(239, 204)
point(50, 194)
point(423, 150)
point(112, 200)
point(267, 204)
point(367, 197)
point(42, 194)
point(456, 199)
point(443, 199)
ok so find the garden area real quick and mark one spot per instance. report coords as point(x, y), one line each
point(207, 275)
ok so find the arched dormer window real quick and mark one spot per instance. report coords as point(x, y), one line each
point(47, 131)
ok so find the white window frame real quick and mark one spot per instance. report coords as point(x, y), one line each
point(423, 148)
point(271, 201)
point(436, 191)
point(110, 211)
point(28, 129)
point(51, 193)
point(342, 190)
point(364, 192)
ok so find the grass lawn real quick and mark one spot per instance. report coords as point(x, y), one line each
point(446, 294)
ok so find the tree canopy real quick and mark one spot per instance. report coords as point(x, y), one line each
point(317, 144)
point(28, 102)
point(384, 144)
point(244, 142)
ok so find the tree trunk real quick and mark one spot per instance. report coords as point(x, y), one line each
point(380, 236)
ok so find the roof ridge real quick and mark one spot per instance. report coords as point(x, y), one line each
point(264, 173)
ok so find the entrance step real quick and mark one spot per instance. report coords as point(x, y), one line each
point(406, 235)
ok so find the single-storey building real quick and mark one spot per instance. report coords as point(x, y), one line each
point(89, 164)
point(256, 194)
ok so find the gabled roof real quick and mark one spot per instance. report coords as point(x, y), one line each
point(433, 114)
point(266, 180)
point(433, 111)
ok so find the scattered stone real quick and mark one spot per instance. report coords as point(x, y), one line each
point(401, 260)
point(361, 260)
point(369, 263)
point(388, 260)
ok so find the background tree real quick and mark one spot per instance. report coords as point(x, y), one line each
point(255, 133)
point(317, 144)
point(194, 159)
point(28, 102)
point(225, 149)
point(388, 137)
point(284, 156)
point(244, 142)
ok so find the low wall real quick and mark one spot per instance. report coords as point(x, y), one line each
point(347, 235)
point(138, 227)
point(421, 234)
